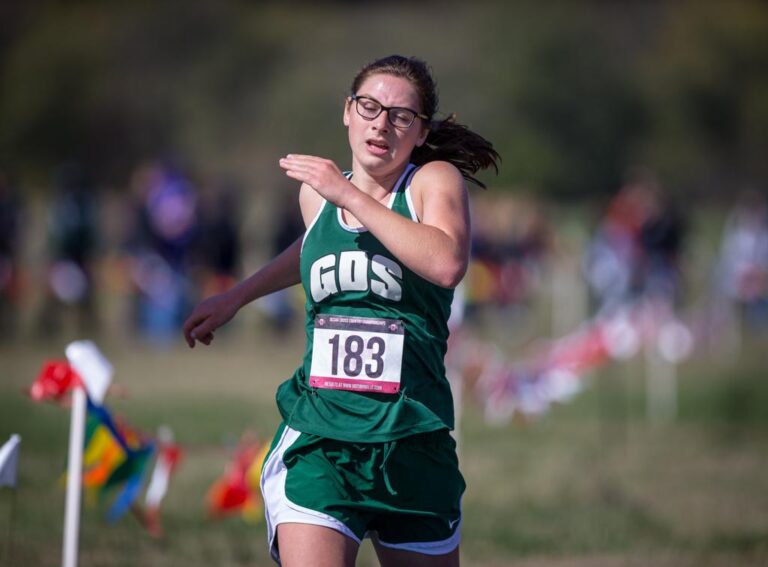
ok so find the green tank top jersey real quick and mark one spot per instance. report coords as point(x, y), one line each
point(377, 333)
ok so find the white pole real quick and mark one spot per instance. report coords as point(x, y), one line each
point(660, 363)
point(570, 296)
point(661, 386)
point(74, 473)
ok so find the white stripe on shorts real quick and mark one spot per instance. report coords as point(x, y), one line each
point(429, 547)
point(277, 508)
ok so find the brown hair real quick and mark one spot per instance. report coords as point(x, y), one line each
point(447, 139)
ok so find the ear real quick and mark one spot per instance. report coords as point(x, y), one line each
point(422, 137)
point(347, 108)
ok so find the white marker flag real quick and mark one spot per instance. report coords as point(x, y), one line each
point(9, 461)
point(92, 366)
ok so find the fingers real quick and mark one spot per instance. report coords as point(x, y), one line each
point(304, 163)
point(208, 316)
point(302, 174)
point(305, 158)
point(299, 176)
point(196, 334)
point(314, 171)
point(198, 328)
point(296, 169)
point(188, 329)
point(204, 329)
point(205, 338)
point(297, 166)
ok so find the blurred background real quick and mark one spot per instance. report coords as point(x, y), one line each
point(608, 354)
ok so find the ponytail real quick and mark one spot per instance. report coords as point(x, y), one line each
point(455, 143)
point(447, 140)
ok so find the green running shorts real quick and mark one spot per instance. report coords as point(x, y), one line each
point(408, 491)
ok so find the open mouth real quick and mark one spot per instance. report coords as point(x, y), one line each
point(377, 147)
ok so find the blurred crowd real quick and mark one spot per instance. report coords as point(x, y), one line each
point(166, 243)
point(171, 239)
point(182, 242)
point(637, 248)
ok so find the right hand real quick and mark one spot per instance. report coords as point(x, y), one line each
point(208, 316)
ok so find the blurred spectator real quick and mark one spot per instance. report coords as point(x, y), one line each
point(662, 236)
point(511, 240)
point(279, 307)
point(743, 265)
point(218, 252)
point(10, 212)
point(72, 242)
point(635, 235)
point(165, 228)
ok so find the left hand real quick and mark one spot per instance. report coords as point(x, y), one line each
point(319, 173)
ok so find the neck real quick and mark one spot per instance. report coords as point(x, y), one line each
point(375, 185)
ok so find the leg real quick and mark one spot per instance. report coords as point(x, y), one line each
point(389, 557)
point(319, 546)
point(422, 528)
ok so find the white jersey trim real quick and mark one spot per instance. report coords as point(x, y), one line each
point(392, 194)
point(312, 224)
point(408, 197)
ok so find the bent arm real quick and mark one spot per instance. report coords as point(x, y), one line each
point(281, 272)
point(437, 248)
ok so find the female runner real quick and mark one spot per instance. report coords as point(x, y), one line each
point(364, 448)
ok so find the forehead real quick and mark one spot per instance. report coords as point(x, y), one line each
point(390, 91)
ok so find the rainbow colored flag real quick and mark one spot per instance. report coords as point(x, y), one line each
point(115, 458)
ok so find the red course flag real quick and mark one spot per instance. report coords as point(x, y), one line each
point(56, 378)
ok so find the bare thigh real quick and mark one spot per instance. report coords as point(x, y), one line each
point(389, 557)
point(306, 544)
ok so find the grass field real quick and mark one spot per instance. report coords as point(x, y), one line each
point(592, 483)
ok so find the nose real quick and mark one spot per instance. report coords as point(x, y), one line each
point(381, 122)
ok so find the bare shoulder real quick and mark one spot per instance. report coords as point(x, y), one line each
point(310, 202)
point(438, 183)
point(435, 182)
point(439, 174)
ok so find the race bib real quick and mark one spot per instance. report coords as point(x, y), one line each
point(363, 354)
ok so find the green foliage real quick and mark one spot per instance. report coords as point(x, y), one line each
point(705, 78)
point(571, 93)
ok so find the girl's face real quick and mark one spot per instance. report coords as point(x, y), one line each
point(377, 145)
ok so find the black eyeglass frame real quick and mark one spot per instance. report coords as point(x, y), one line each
point(356, 98)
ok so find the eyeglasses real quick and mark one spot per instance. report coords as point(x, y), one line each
point(370, 108)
